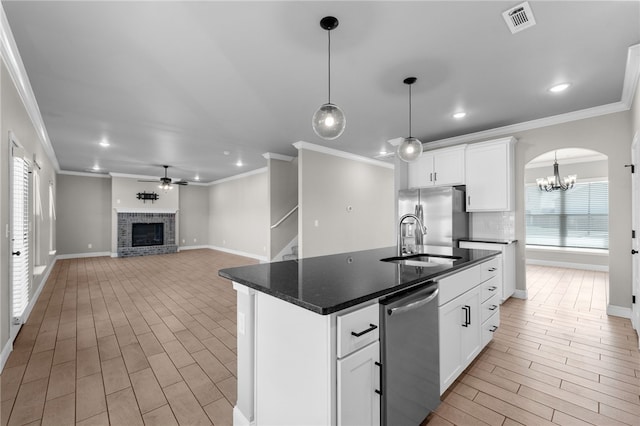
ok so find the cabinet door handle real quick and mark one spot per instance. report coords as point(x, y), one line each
point(493, 328)
point(493, 307)
point(493, 269)
point(430, 177)
point(379, 391)
point(435, 176)
point(468, 200)
point(467, 315)
point(371, 328)
point(492, 288)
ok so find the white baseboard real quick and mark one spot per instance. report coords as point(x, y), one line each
point(81, 255)
point(520, 294)
point(240, 253)
point(4, 355)
point(239, 419)
point(180, 248)
point(619, 311)
point(571, 265)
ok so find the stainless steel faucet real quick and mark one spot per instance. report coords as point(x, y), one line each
point(420, 226)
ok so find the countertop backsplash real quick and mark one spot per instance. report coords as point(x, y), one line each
point(496, 225)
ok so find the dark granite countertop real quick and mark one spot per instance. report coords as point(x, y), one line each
point(489, 240)
point(328, 284)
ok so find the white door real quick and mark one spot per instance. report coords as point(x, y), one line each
point(20, 271)
point(635, 219)
point(358, 380)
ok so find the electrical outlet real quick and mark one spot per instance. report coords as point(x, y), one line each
point(195, 240)
point(90, 245)
point(183, 241)
point(316, 223)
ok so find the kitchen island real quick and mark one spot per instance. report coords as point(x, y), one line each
point(298, 362)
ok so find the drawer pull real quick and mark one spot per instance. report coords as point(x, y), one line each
point(493, 269)
point(467, 315)
point(493, 307)
point(493, 328)
point(492, 288)
point(371, 328)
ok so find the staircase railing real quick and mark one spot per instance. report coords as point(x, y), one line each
point(284, 217)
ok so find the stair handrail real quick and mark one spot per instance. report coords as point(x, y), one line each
point(284, 217)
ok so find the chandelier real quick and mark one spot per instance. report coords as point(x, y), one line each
point(555, 183)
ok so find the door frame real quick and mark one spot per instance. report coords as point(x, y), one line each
point(635, 225)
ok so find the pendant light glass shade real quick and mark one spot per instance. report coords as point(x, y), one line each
point(410, 148)
point(329, 121)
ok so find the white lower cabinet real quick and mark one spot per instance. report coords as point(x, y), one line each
point(460, 335)
point(358, 380)
point(468, 314)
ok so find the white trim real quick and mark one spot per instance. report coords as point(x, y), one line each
point(180, 248)
point(83, 255)
point(520, 294)
point(631, 75)
point(240, 253)
point(570, 265)
point(618, 311)
point(274, 156)
point(131, 176)
point(142, 210)
point(336, 153)
point(4, 355)
point(85, 174)
point(570, 250)
point(15, 66)
point(239, 419)
point(240, 176)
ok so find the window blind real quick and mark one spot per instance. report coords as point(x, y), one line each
point(578, 217)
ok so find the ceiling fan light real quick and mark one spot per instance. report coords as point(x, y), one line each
point(409, 149)
point(329, 121)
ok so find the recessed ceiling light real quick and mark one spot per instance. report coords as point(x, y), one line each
point(239, 163)
point(559, 87)
point(95, 168)
point(226, 153)
point(460, 114)
point(383, 152)
point(104, 143)
point(196, 177)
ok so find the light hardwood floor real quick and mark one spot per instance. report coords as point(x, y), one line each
point(152, 340)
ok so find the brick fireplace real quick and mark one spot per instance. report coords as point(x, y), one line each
point(126, 221)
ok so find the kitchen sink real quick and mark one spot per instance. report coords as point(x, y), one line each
point(422, 259)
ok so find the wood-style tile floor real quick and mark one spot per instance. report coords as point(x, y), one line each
point(151, 340)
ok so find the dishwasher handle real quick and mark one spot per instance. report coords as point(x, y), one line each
point(413, 305)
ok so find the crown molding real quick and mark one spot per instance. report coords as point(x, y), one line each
point(274, 156)
point(336, 153)
point(631, 75)
point(85, 174)
point(240, 176)
point(13, 61)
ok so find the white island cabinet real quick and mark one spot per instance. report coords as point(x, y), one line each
point(302, 368)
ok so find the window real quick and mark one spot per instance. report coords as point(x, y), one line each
point(578, 217)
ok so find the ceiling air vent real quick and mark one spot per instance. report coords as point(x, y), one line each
point(519, 17)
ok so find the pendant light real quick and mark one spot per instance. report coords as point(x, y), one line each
point(410, 148)
point(555, 183)
point(329, 121)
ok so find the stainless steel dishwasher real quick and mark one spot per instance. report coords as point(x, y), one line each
point(410, 355)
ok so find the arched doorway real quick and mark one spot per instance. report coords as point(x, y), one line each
point(566, 231)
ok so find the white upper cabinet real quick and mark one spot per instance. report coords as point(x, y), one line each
point(441, 167)
point(490, 175)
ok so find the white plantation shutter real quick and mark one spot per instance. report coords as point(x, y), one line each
point(21, 277)
point(578, 217)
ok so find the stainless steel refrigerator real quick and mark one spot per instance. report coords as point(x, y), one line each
point(442, 211)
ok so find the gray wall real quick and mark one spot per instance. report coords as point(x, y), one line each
point(84, 214)
point(194, 216)
point(14, 118)
point(328, 185)
point(283, 196)
point(239, 214)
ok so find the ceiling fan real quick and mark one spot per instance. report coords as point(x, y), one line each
point(166, 182)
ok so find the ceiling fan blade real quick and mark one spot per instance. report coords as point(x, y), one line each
point(147, 180)
point(181, 182)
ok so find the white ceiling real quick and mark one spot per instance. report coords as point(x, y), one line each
point(180, 83)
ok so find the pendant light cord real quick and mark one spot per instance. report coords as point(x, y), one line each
point(409, 110)
point(329, 64)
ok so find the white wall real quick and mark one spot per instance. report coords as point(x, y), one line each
point(346, 204)
point(239, 214)
point(194, 216)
